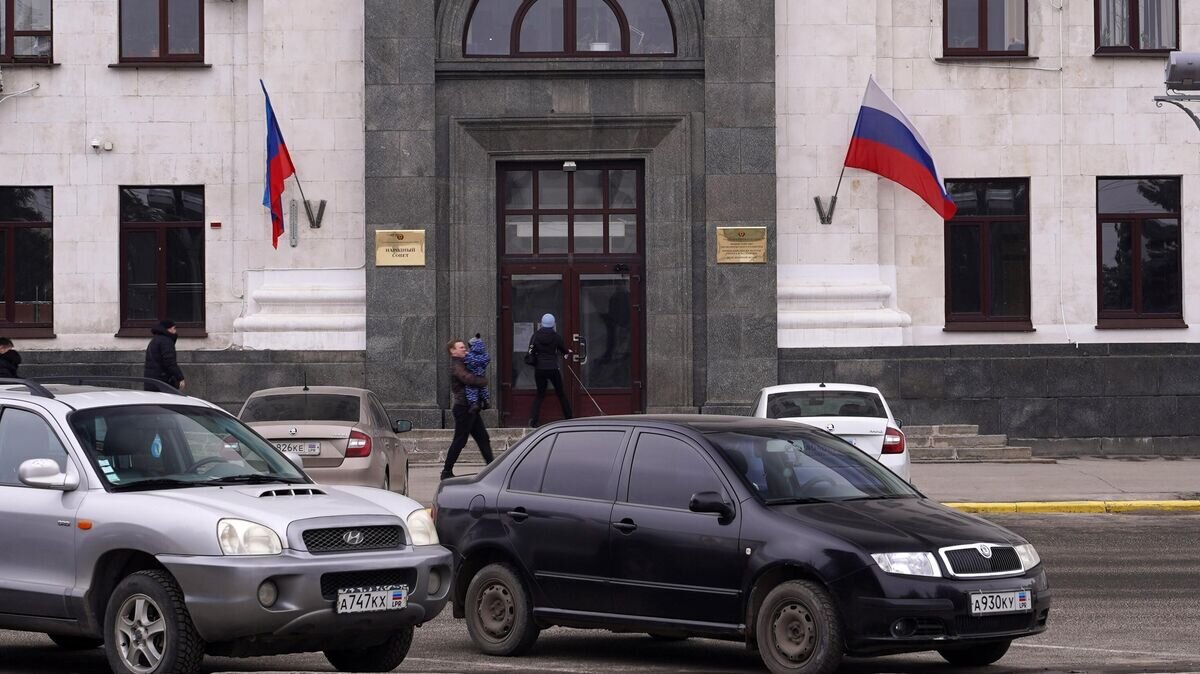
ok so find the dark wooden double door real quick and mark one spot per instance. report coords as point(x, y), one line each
point(571, 246)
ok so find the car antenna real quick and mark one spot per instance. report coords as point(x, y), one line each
point(305, 374)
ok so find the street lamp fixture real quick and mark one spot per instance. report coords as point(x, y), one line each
point(1182, 74)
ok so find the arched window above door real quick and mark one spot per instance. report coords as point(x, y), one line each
point(569, 28)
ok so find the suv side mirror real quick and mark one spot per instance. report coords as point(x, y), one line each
point(45, 474)
point(402, 426)
point(295, 458)
point(711, 502)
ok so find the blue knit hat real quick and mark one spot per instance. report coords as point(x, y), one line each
point(548, 321)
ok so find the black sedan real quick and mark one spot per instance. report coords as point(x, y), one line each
point(773, 533)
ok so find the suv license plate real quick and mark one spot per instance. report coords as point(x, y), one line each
point(985, 603)
point(368, 599)
point(301, 448)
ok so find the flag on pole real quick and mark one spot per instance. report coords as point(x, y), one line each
point(279, 169)
point(885, 142)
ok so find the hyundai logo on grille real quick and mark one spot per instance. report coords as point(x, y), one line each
point(985, 550)
point(356, 538)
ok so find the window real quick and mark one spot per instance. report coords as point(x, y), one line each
point(583, 464)
point(575, 28)
point(162, 258)
point(162, 30)
point(25, 436)
point(27, 259)
point(302, 407)
point(793, 404)
point(528, 475)
point(1139, 244)
point(1137, 26)
point(985, 28)
point(591, 211)
point(25, 31)
point(667, 472)
point(987, 255)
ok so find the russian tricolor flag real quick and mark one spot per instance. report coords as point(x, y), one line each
point(279, 169)
point(886, 143)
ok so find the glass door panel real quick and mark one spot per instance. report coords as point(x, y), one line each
point(532, 296)
point(605, 331)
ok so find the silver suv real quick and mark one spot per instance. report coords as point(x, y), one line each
point(163, 528)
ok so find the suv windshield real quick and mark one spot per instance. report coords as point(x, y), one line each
point(302, 407)
point(783, 466)
point(824, 404)
point(167, 446)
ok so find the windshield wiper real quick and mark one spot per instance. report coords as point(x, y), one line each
point(156, 483)
point(878, 497)
point(790, 501)
point(254, 478)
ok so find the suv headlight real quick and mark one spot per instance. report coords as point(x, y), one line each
point(908, 563)
point(1028, 556)
point(239, 537)
point(421, 529)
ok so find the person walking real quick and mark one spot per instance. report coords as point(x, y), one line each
point(546, 345)
point(161, 360)
point(466, 422)
point(10, 360)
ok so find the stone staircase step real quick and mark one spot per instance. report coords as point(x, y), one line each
point(981, 441)
point(922, 455)
point(917, 431)
point(956, 429)
point(919, 454)
point(428, 445)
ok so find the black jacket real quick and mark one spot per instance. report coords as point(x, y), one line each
point(547, 344)
point(460, 379)
point(161, 361)
point(9, 362)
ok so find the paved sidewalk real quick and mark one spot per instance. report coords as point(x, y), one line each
point(1071, 485)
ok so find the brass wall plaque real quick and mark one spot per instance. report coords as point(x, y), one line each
point(741, 245)
point(400, 248)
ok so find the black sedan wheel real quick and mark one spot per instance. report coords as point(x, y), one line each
point(798, 630)
point(148, 628)
point(977, 656)
point(382, 658)
point(500, 612)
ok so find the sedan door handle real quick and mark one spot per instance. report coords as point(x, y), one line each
point(625, 526)
point(518, 514)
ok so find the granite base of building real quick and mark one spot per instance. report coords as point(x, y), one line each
point(1061, 400)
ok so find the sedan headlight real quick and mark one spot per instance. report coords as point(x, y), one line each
point(908, 563)
point(239, 537)
point(421, 529)
point(1028, 556)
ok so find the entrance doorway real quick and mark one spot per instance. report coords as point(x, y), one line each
point(571, 245)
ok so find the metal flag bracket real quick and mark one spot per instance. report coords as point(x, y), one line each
point(827, 216)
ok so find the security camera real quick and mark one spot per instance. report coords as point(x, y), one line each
point(95, 143)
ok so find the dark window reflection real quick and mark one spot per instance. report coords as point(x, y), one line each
point(962, 28)
point(26, 204)
point(33, 266)
point(141, 275)
point(162, 204)
point(1141, 272)
point(1141, 195)
point(139, 29)
point(988, 250)
point(1008, 248)
point(1116, 263)
point(542, 30)
point(491, 27)
point(1162, 273)
point(964, 270)
point(185, 274)
point(163, 253)
point(989, 197)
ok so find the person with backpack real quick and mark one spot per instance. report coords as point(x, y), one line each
point(544, 348)
point(161, 360)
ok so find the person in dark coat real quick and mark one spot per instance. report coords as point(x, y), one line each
point(161, 360)
point(10, 360)
point(546, 344)
point(466, 423)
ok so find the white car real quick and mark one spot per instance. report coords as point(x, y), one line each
point(857, 414)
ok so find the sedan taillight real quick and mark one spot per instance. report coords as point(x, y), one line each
point(893, 441)
point(359, 445)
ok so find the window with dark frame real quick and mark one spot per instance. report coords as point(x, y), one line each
point(1137, 26)
point(570, 28)
point(1140, 252)
point(26, 31)
point(594, 210)
point(162, 259)
point(994, 28)
point(27, 256)
point(154, 31)
point(987, 255)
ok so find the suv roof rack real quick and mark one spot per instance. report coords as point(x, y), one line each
point(159, 386)
point(34, 387)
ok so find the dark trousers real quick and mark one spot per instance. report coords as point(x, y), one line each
point(541, 378)
point(466, 424)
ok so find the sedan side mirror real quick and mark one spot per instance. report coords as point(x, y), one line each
point(45, 474)
point(402, 426)
point(711, 502)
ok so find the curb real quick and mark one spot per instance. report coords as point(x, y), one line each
point(1101, 507)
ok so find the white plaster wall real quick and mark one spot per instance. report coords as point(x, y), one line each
point(1058, 126)
point(185, 127)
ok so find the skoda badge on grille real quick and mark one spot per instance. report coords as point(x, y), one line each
point(985, 550)
point(356, 538)
point(293, 430)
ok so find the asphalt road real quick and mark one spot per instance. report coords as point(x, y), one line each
point(1124, 603)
